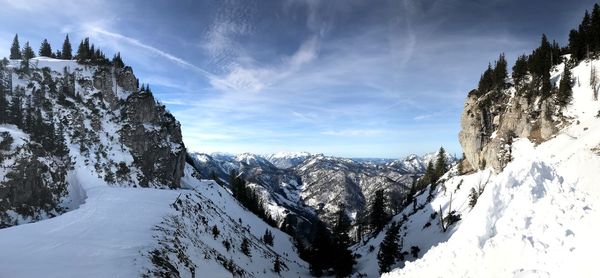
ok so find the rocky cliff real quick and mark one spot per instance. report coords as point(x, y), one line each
point(491, 121)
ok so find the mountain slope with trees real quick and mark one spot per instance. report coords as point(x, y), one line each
point(527, 183)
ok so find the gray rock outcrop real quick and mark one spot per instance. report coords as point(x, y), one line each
point(489, 124)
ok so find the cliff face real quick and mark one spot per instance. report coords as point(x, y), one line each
point(62, 117)
point(490, 122)
point(154, 137)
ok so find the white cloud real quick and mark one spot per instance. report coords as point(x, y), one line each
point(252, 78)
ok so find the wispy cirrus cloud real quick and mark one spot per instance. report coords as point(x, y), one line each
point(252, 78)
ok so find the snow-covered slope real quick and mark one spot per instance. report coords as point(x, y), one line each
point(539, 216)
point(188, 245)
point(116, 230)
point(104, 237)
point(284, 160)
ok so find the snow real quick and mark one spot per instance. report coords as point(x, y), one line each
point(101, 238)
point(285, 160)
point(19, 137)
point(110, 229)
point(289, 155)
point(420, 229)
point(235, 222)
point(539, 216)
point(109, 232)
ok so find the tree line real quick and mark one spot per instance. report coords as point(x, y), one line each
point(585, 40)
point(86, 53)
point(537, 66)
point(531, 73)
point(248, 197)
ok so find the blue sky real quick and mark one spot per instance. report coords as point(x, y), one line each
point(346, 78)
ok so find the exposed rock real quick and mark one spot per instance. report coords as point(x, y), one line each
point(103, 81)
point(126, 79)
point(33, 186)
point(154, 137)
point(490, 122)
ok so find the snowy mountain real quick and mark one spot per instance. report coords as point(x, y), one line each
point(284, 160)
point(330, 183)
point(61, 115)
point(99, 166)
point(306, 187)
point(418, 164)
point(541, 203)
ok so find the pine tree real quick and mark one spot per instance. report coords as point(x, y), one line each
point(45, 49)
point(60, 143)
point(378, 216)
point(500, 72)
point(440, 164)
point(320, 253)
point(268, 237)
point(245, 247)
point(486, 82)
point(519, 70)
point(117, 61)
point(344, 260)
point(215, 231)
point(28, 52)
point(595, 28)
point(585, 30)
point(540, 63)
point(15, 49)
point(565, 92)
point(4, 117)
point(16, 111)
point(92, 54)
point(389, 249)
point(67, 52)
point(473, 197)
point(30, 125)
point(411, 193)
point(83, 52)
point(277, 265)
point(428, 177)
point(576, 45)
